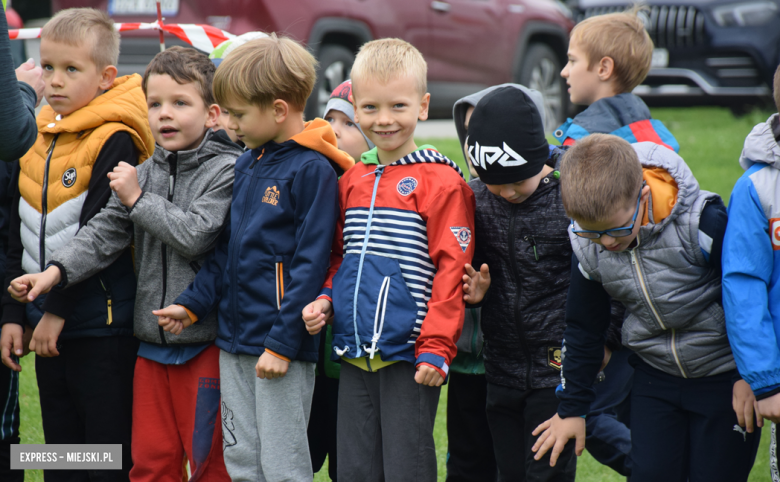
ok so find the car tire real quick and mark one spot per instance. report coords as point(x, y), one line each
point(335, 64)
point(540, 70)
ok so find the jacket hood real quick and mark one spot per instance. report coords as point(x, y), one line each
point(651, 156)
point(762, 145)
point(212, 145)
point(611, 113)
point(462, 105)
point(318, 136)
point(124, 102)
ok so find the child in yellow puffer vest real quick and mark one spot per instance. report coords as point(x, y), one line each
point(83, 336)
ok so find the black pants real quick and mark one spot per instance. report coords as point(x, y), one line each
point(322, 424)
point(9, 423)
point(685, 429)
point(513, 415)
point(470, 456)
point(87, 397)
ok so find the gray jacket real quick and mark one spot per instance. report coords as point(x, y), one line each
point(675, 320)
point(173, 226)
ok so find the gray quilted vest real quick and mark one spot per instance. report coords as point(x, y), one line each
point(674, 321)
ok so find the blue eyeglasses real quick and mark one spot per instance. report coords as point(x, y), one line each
point(614, 232)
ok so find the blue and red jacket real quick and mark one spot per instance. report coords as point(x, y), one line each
point(397, 290)
point(622, 115)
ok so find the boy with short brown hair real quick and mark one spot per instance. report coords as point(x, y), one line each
point(83, 336)
point(394, 284)
point(172, 208)
point(609, 55)
point(645, 234)
point(270, 261)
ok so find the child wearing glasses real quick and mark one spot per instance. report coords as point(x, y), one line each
point(644, 234)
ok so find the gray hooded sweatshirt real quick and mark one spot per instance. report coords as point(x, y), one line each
point(174, 225)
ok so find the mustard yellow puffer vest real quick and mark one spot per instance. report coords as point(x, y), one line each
point(62, 182)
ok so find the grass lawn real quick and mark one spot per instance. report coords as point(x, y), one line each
point(711, 140)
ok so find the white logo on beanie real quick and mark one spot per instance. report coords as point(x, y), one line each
point(482, 156)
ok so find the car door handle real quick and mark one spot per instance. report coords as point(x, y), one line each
point(443, 7)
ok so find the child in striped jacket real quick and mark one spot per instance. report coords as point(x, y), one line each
point(394, 284)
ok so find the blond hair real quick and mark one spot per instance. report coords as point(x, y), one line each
point(386, 59)
point(600, 174)
point(266, 69)
point(621, 37)
point(776, 87)
point(74, 25)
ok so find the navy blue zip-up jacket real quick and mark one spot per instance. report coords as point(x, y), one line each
point(271, 260)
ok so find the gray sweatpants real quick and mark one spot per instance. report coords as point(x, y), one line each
point(264, 421)
point(385, 425)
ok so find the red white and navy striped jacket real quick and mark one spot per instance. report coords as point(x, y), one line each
point(403, 236)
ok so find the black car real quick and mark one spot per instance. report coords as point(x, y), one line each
point(706, 51)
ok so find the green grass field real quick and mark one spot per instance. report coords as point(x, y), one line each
point(711, 140)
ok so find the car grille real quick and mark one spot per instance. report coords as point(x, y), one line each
point(668, 26)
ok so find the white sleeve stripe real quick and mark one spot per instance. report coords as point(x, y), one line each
point(582, 270)
point(705, 242)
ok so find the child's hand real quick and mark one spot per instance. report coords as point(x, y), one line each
point(32, 76)
point(557, 432)
point(124, 181)
point(173, 319)
point(46, 334)
point(475, 283)
point(768, 408)
point(427, 375)
point(316, 314)
point(28, 287)
point(270, 366)
point(11, 343)
point(744, 402)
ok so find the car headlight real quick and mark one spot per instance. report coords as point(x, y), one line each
point(749, 14)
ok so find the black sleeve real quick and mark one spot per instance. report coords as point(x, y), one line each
point(713, 222)
point(118, 148)
point(17, 104)
point(615, 332)
point(587, 322)
point(13, 311)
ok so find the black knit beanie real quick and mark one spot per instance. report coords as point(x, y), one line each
point(506, 142)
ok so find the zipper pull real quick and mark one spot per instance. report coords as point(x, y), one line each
point(531, 240)
point(110, 313)
point(170, 185)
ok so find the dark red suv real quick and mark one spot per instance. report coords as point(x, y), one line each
point(469, 44)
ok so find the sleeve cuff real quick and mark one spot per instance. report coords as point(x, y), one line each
point(63, 273)
point(437, 362)
point(767, 392)
point(13, 313)
point(59, 303)
point(130, 209)
point(326, 293)
point(281, 357)
point(193, 316)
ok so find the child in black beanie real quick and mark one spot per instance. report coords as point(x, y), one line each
point(520, 232)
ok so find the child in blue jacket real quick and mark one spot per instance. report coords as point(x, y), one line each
point(270, 261)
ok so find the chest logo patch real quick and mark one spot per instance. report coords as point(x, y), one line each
point(554, 358)
point(774, 233)
point(406, 186)
point(271, 196)
point(69, 177)
point(463, 235)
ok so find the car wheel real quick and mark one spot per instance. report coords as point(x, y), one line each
point(335, 65)
point(540, 71)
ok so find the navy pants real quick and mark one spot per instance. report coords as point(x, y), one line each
point(684, 429)
point(608, 439)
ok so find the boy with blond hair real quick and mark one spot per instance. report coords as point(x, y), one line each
point(404, 234)
point(172, 208)
point(751, 263)
point(83, 337)
point(644, 234)
point(609, 55)
point(271, 259)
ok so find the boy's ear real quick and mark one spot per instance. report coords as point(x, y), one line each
point(281, 110)
point(424, 104)
point(107, 77)
point(213, 115)
point(606, 69)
